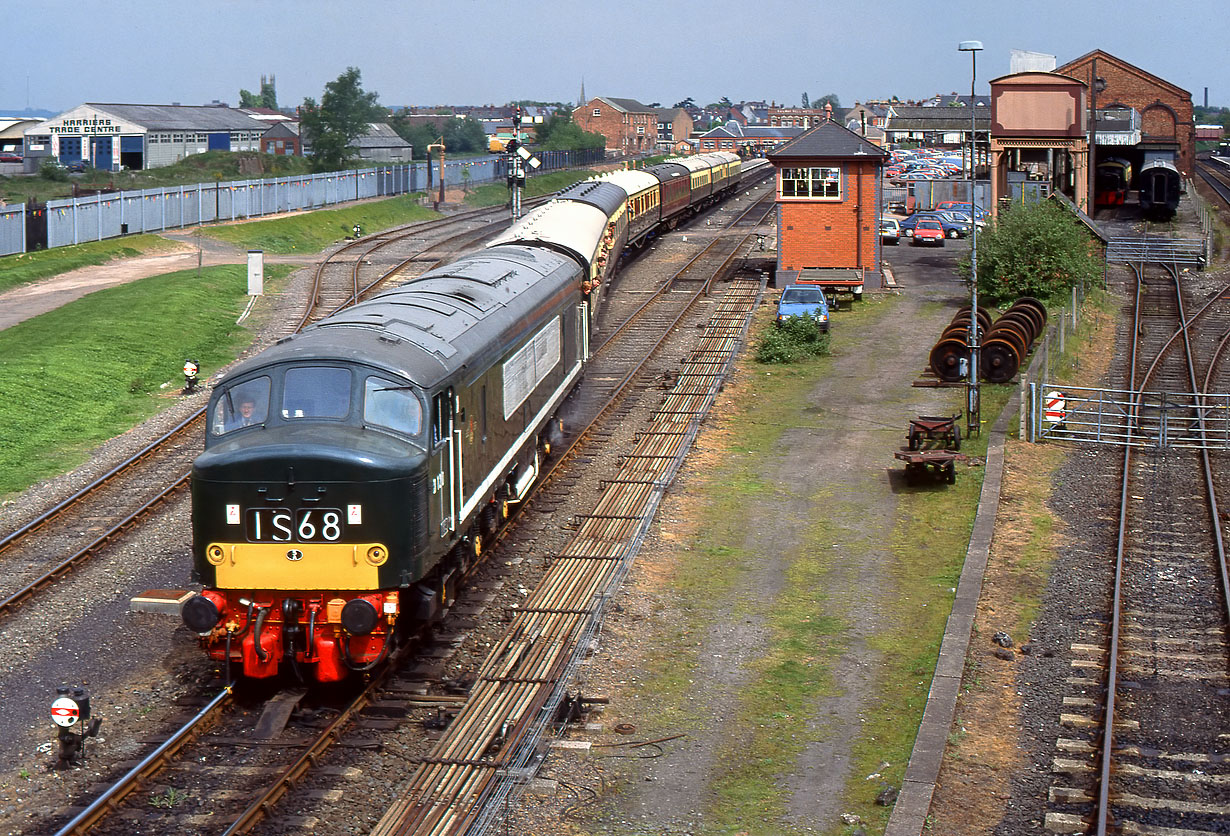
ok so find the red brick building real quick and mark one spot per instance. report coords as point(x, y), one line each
point(1166, 116)
point(629, 126)
point(828, 209)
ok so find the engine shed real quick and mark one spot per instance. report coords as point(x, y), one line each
point(829, 195)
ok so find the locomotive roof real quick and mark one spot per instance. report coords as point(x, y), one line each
point(431, 327)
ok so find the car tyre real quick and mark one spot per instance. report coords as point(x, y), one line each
point(952, 233)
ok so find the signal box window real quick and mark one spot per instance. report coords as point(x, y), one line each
point(392, 405)
point(824, 183)
point(316, 392)
point(242, 405)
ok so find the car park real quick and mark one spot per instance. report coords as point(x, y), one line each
point(962, 206)
point(928, 231)
point(890, 231)
point(804, 300)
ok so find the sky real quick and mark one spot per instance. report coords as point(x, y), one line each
point(59, 54)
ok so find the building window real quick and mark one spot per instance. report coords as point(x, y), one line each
point(640, 129)
point(823, 183)
point(597, 112)
point(178, 138)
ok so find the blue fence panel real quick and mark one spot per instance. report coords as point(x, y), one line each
point(13, 229)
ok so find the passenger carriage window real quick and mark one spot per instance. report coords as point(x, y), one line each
point(392, 405)
point(241, 405)
point(316, 392)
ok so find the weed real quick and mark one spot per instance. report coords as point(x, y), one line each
point(23, 773)
point(795, 339)
point(168, 798)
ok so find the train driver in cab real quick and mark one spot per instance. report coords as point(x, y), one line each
point(245, 405)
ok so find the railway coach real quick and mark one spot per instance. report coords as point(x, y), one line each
point(352, 472)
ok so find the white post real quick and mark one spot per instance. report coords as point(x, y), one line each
point(256, 272)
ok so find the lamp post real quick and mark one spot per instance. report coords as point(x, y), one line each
point(973, 404)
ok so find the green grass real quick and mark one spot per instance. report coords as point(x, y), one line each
point(496, 194)
point(311, 232)
point(16, 270)
point(83, 373)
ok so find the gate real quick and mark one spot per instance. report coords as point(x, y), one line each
point(1120, 417)
point(36, 226)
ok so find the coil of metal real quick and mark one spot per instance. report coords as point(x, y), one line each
point(953, 345)
point(1009, 338)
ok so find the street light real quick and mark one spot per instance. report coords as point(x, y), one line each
point(972, 402)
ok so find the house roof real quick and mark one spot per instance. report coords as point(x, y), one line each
point(828, 139)
point(738, 130)
point(380, 135)
point(937, 118)
point(626, 105)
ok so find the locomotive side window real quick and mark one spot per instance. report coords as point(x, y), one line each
point(392, 405)
point(316, 392)
point(242, 405)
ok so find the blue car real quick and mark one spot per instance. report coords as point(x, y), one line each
point(802, 299)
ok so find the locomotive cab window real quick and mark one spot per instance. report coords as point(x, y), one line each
point(392, 405)
point(242, 405)
point(316, 392)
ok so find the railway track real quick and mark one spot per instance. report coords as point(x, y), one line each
point(279, 779)
point(1147, 718)
point(60, 540)
point(1217, 176)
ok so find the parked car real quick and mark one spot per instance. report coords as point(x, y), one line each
point(890, 231)
point(928, 231)
point(953, 228)
point(10, 158)
point(78, 166)
point(803, 299)
point(962, 205)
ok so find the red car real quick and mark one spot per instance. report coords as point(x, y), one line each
point(10, 158)
point(928, 232)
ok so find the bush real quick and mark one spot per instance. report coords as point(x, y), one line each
point(52, 170)
point(798, 338)
point(1038, 250)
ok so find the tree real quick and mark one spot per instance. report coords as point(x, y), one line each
point(686, 103)
point(267, 97)
point(561, 133)
point(827, 98)
point(806, 102)
point(342, 116)
point(1038, 249)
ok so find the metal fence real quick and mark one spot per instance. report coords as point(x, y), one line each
point(1154, 420)
point(12, 229)
point(95, 217)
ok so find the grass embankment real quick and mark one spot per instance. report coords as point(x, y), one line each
point(310, 232)
point(23, 268)
point(496, 194)
point(806, 629)
point(79, 375)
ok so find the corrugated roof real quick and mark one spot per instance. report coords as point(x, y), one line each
point(182, 117)
point(828, 139)
point(380, 135)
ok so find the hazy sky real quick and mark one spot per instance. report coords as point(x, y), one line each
point(472, 52)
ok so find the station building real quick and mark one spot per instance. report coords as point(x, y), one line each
point(137, 136)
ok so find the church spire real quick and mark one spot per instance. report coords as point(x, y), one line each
point(583, 99)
